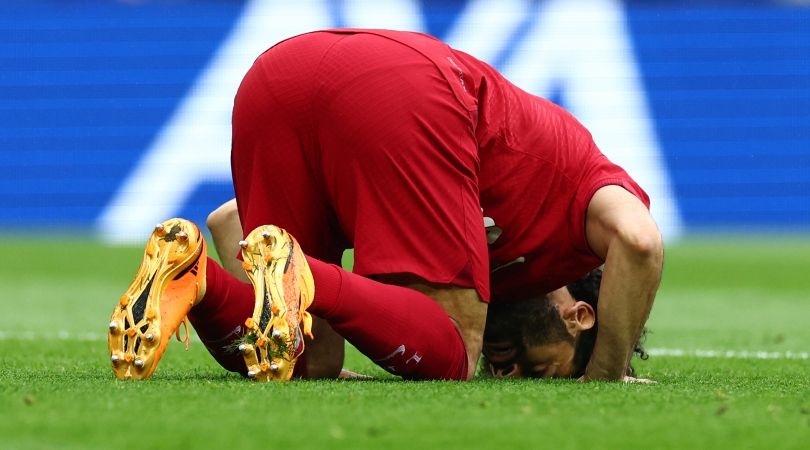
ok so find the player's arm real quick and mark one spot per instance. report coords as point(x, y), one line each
point(622, 232)
point(226, 230)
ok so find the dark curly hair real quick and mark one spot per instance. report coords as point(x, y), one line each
point(536, 321)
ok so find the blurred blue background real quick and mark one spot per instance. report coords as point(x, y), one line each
point(115, 115)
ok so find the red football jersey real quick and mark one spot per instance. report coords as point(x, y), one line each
point(393, 143)
point(539, 169)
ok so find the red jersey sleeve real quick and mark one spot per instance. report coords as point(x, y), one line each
point(602, 173)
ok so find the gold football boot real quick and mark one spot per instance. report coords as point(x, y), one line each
point(170, 280)
point(284, 289)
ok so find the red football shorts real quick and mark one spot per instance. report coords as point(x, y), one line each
point(355, 140)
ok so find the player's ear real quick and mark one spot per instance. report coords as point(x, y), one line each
point(579, 317)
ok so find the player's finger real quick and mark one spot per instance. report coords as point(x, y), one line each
point(633, 380)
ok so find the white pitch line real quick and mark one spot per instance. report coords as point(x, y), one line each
point(58, 336)
point(666, 352)
point(728, 354)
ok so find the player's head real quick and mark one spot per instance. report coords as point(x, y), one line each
point(544, 336)
point(528, 338)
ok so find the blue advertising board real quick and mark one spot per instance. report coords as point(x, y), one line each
point(114, 115)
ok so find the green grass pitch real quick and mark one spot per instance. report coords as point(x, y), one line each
point(720, 300)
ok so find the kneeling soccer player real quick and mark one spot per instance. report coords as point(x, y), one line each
point(392, 143)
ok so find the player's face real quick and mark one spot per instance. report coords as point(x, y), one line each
point(555, 360)
point(549, 360)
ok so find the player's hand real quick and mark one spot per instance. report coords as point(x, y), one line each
point(634, 380)
point(349, 375)
point(626, 379)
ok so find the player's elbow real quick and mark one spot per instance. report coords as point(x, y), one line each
point(643, 243)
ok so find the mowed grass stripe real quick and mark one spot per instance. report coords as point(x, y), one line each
point(656, 352)
point(737, 295)
point(66, 399)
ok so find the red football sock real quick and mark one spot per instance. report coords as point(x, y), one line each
point(220, 316)
point(404, 331)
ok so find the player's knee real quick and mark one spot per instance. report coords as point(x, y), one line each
point(468, 313)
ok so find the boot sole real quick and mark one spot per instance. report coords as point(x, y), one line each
point(135, 338)
point(283, 289)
